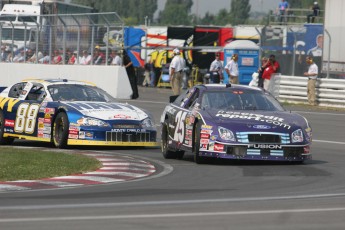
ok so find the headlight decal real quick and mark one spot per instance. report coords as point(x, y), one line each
point(226, 134)
point(87, 121)
point(297, 136)
point(147, 123)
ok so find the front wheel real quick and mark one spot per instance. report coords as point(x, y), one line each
point(60, 130)
point(4, 140)
point(167, 153)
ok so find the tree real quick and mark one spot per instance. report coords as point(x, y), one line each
point(176, 12)
point(131, 11)
point(239, 11)
point(208, 19)
point(222, 18)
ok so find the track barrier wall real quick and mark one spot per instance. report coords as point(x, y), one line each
point(112, 79)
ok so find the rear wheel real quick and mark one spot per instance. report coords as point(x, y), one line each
point(197, 158)
point(60, 130)
point(4, 140)
point(167, 153)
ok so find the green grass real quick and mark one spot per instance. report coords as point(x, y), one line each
point(30, 164)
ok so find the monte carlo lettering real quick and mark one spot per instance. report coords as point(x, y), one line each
point(129, 130)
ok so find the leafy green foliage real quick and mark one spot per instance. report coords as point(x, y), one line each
point(133, 12)
point(28, 164)
point(176, 12)
point(239, 12)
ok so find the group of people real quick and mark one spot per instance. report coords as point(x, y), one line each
point(269, 66)
point(57, 57)
point(283, 11)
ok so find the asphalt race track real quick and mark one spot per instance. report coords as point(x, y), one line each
point(182, 195)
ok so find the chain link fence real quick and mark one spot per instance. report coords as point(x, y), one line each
point(28, 39)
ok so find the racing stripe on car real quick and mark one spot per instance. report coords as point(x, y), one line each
point(114, 169)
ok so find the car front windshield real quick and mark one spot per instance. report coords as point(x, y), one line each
point(70, 92)
point(234, 99)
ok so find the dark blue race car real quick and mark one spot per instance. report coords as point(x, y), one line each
point(233, 122)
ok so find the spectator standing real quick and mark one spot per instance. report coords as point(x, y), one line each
point(98, 56)
point(85, 59)
point(73, 58)
point(316, 12)
point(153, 73)
point(131, 74)
point(33, 58)
point(175, 72)
point(261, 71)
point(19, 57)
point(45, 59)
point(312, 76)
point(271, 67)
point(57, 59)
point(216, 70)
point(3, 53)
point(283, 8)
point(116, 59)
point(9, 56)
point(147, 70)
point(232, 69)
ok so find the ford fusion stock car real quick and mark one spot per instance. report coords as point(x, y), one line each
point(233, 122)
point(67, 113)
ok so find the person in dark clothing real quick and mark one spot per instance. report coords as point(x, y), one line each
point(131, 74)
point(261, 70)
point(316, 12)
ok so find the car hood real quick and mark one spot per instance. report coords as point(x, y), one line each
point(107, 110)
point(257, 120)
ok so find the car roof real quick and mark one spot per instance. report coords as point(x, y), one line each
point(57, 81)
point(207, 87)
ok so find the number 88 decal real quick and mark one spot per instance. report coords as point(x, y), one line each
point(26, 118)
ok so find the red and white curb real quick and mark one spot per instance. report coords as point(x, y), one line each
point(114, 169)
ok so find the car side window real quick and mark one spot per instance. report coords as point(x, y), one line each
point(193, 99)
point(16, 90)
point(36, 93)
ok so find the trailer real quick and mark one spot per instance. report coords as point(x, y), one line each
point(333, 63)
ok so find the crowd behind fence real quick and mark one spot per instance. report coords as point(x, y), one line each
point(59, 37)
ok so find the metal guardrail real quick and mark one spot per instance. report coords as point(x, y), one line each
point(291, 89)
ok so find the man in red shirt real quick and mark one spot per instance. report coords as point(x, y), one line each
point(270, 68)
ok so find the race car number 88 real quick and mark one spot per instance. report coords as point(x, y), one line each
point(26, 118)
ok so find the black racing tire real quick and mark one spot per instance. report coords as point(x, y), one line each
point(168, 153)
point(4, 140)
point(196, 144)
point(60, 130)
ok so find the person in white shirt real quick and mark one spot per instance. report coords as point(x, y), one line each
point(116, 59)
point(85, 59)
point(216, 70)
point(175, 72)
point(312, 75)
point(232, 69)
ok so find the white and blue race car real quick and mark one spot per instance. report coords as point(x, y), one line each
point(68, 113)
point(233, 122)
